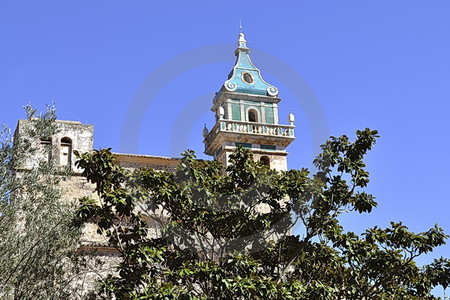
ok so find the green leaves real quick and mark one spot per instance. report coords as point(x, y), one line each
point(100, 169)
point(37, 237)
point(363, 202)
point(208, 233)
point(346, 156)
point(438, 272)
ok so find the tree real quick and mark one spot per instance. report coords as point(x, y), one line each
point(37, 237)
point(208, 233)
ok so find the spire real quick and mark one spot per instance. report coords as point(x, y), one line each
point(242, 43)
point(246, 77)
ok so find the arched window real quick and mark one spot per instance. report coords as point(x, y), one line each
point(252, 115)
point(46, 145)
point(265, 161)
point(65, 157)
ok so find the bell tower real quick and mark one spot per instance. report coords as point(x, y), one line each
point(246, 109)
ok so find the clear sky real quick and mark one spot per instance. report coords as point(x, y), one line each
point(144, 73)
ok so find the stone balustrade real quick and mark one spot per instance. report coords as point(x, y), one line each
point(264, 129)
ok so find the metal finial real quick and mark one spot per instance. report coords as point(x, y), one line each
point(240, 26)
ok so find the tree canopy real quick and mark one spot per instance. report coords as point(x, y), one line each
point(37, 236)
point(203, 232)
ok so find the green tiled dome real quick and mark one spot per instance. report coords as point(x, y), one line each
point(245, 77)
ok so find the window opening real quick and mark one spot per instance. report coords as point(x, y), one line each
point(46, 144)
point(265, 161)
point(247, 78)
point(66, 152)
point(252, 116)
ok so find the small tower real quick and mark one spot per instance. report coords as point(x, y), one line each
point(246, 109)
point(70, 136)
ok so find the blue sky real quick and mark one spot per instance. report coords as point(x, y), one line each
point(339, 65)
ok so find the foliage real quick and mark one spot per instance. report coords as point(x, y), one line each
point(36, 235)
point(208, 233)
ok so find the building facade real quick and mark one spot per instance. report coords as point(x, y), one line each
point(246, 115)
